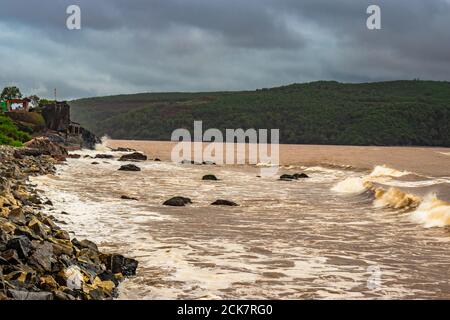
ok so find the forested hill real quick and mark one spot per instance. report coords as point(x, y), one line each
point(383, 113)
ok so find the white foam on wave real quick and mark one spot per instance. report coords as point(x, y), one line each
point(432, 212)
point(350, 185)
point(384, 171)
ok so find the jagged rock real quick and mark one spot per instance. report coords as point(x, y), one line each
point(128, 198)
point(119, 264)
point(38, 228)
point(9, 257)
point(129, 167)
point(27, 295)
point(177, 202)
point(62, 234)
point(135, 156)
point(21, 244)
point(48, 283)
point(48, 203)
point(222, 202)
point(16, 215)
point(85, 244)
point(210, 177)
point(42, 257)
point(300, 176)
point(62, 247)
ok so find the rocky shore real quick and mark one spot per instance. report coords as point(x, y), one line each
point(38, 259)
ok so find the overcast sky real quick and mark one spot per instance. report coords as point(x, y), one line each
point(202, 45)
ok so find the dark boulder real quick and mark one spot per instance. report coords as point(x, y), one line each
point(21, 244)
point(104, 156)
point(128, 198)
point(119, 264)
point(222, 202)
point(177, 202)
point(210, 177)
point(295, 176)
point(300, 176)
point(135, 156)
point(85, 244)
point(129, 167)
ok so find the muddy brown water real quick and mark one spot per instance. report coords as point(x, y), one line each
point(317, 238)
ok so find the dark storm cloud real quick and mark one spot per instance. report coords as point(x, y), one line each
point(137, 45)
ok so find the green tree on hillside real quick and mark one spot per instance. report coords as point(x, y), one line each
point(10, 93)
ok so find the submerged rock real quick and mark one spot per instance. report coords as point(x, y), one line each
point(129, 167)
point(104, 156)
point(222, 202)
point(122, 149)
point(135, 156)
point(295, 176)
point(210, 177)
point(128, 198)
point(177, 202)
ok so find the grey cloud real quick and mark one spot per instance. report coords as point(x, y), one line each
point(176, 45)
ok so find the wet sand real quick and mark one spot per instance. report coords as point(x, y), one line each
point(421, 160)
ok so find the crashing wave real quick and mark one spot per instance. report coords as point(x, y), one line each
point(432, 212)
point(429, 211)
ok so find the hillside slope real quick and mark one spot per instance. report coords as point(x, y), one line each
point(324, 112)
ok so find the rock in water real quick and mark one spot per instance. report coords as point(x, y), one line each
point(129, 167)
point(128, 198)
point(135, 156)
point(300, 176)
point(210, 177)
point(222, 202)
point(104, 156)
point(119, 264)
point(177, 202)
point(295, 176)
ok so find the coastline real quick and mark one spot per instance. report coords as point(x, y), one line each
point(428, 161)
point(38, 258)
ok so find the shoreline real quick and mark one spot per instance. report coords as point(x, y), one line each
point(38, 259)
point(428, 161)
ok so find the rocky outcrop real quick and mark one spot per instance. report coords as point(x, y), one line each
point(38, 260)
point(57, 116)
point(46, 147)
